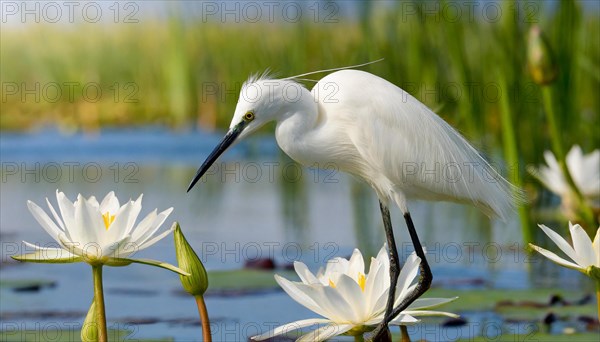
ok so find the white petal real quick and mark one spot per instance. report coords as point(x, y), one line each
point(596, 245)
point(93, 202)
point(124, 220)
point(378, 280)
point(552, 175)
point(404, 319)
point(90, 249)
point(50, 252)
point(335, 265)
point(557, 259)
point(284, 329)
point(407, 275)
point(351, 292)
point(331, 300)
point(560, 242)
point(110, 203)
point(383, 257)
point(428, 303)
point(44, 220)
point(144, 225)
point(551, 160)
point(89, 223)
point(304, 273)
point(421, 313)
point(356, 265)
point(591, 169)
point(583, 246)
point(56, 217)
point(67, 213)
point(137, 207)
point(325, 332)
point(46, 255)
point(140, 237)
point(115, 249)
point(553, 180)
point(380, 305)
point(157, 238)
point(574, 161)
point(303, 294)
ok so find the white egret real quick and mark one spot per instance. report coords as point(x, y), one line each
point(376, 131)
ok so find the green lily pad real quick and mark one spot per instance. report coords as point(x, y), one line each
point(497, 300)
point(519, 313)
point(244, 280)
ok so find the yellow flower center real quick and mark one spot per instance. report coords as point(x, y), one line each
point(108, 219)
point(361, 281)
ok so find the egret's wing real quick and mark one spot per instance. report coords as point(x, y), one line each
point(404, 144)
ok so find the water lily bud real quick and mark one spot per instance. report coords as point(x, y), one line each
point(593, 272)
point(197, 282)
point(542, 64)
point(89, 329)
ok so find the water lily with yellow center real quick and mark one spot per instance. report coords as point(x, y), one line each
point(351, 301)
point(100, 234)
point(97, 232)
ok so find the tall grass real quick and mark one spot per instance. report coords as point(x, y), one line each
point(168, 70)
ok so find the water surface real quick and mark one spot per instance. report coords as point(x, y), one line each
point(254, 203)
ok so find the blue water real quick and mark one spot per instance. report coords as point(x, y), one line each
point(254, 203)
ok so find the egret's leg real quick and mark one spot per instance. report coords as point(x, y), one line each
point(422, 286)
point(425, 276)
point(380, 332)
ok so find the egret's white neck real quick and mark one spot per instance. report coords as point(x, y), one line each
point(297, 120)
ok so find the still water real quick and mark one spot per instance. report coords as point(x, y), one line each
point(254, 203)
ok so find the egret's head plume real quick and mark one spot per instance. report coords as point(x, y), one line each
point(263, 99)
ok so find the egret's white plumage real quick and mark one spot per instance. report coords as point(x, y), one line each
point(375, 130)
point(372, 129)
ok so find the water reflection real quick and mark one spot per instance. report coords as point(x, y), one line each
point(292, 191)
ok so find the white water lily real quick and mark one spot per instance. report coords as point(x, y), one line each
point(584, 254)
point(351, 301)
point(584, 169)
point(97, 233)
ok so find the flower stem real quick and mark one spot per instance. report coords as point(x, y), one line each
point(359, 338)
point(206, 334)
point(404, 332)
point(99, 300)
point(598, 297)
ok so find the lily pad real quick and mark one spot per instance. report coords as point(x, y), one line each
point(537, 300)
point(244, 282)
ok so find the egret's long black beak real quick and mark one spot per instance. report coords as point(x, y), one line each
point(228, 139)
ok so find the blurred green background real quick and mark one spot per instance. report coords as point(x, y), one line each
point(183, 69)
point(181, 64)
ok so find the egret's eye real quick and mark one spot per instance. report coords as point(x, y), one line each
point(249, 116)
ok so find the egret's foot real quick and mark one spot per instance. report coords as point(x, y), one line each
point(381, 334)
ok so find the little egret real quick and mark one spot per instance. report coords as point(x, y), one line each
point(376, 131)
